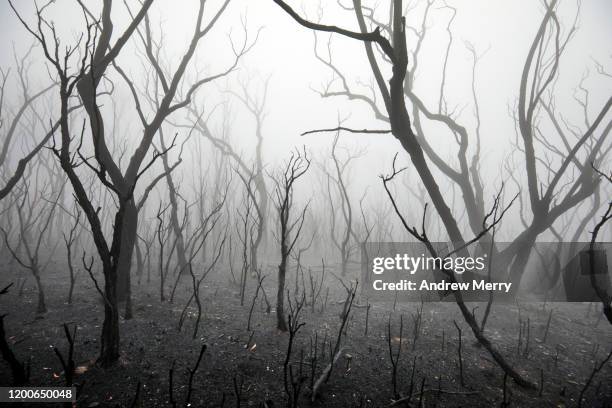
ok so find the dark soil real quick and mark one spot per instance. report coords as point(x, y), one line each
point(578, 339)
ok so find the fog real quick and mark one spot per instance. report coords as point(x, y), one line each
point(500, 33)
point(227, 170)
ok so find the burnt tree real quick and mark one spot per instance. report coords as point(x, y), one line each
point(289, 229)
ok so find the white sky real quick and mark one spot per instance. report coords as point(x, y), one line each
point(285, 52)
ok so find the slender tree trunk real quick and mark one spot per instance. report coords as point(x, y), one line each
point(256, 245)
point(42, 306)
point(344, 259)
point(139, 261)
point(71, 276)
point(70, 291)
point(281, 324)
point(260, 186)
point(174, 218)
point(128, 301)
point(109, 351)
point(128, 240)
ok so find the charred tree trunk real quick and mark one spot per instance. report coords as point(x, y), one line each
point(290, 230)
point(174, 211)
point(41, 306)
point(128, 240)
point(399, 118)
point(281, 323)
point(109, 340)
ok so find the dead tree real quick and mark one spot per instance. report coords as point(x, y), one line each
point(459, 354)
point(19, 370)
point(337, 349)
point(197, 282)
point(602, 293)
point(256, 106)
point(549, 201)
point(536, 92)
point(260, 279)
point(7, 135)
point(173, 195)
point(34, 221)
point(491, 220)
point(546, 206)
point(245, 224)
point(47, 37)
point(255, 103)
point(191, 374)
point(198, 240)
point(289, 229)
point(539, 73)
point(173, 95)
point(299, 268)
point(145, 260)
point(293, 380)
point(67, 361)
point(395, 357)
point(162, 234)
point(97, 54)
point(337, 177)
point(364, 232)
point(194, 239)
point(141, 259)
point(69, 242)
point(538, 79)
point(316, 285)
point(540, 70)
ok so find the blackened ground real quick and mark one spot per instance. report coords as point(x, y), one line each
point(578, 339)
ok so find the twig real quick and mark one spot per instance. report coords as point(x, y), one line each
point(325, 374)
point(460, 356)
point(191, 374)
point(339, 128)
